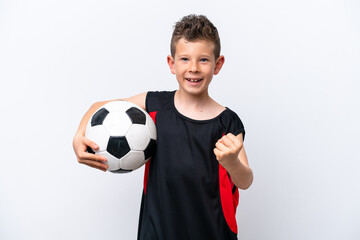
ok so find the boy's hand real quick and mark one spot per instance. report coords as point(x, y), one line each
point(227, 150)
point(80, 144)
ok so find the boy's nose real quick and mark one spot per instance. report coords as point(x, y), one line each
point(194, 67)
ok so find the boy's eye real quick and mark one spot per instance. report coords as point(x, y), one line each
point(184, 59)
point(203, 60)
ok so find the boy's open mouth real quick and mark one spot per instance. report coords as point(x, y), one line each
point(194, 80)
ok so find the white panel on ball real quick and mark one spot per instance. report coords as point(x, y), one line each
point(98, 135)
point(117, 123)
point(117, 106)
point(136, 142)
point(132, 160)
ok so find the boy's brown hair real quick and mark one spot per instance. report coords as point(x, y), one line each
point(195, 27)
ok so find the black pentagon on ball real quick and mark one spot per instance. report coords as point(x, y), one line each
point(99, 116)
point(121, 171)
point(136, 116)
point(118, 146)
point(150, 149)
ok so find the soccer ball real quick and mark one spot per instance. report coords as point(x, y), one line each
point(125, 134)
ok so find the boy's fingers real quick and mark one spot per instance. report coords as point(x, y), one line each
point(216, 152)
point(92, 157)
point(220, 146)
point(233, 137)
point(94, 164)
point(228, 142)
point(237, 142)
point(90, 143)
point(97, 164)
point(89, 155)
point(99, 168)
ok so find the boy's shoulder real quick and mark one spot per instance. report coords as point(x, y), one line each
point(232, 122)
point(156, 100)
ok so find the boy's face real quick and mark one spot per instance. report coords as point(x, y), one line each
point(194, 65)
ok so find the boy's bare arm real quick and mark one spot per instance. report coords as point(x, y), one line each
point(230, 153)
point(80, 142)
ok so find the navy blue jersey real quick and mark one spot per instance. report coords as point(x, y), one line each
point(187, 193)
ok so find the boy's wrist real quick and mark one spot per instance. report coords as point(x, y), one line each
point(233, 166)
point(80, 133)
point(240, 174)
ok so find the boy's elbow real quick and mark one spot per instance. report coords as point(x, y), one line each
point(244, 187)
point(248, 183)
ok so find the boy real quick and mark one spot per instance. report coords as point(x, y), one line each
point(191, 183)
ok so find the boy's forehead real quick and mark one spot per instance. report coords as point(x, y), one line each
point(183, 45)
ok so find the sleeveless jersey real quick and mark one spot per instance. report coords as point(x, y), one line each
point(187, 193)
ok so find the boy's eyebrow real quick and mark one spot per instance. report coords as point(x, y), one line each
point(200, 56)
point(206, 55)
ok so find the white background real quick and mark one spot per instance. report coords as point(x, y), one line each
point(292, 74)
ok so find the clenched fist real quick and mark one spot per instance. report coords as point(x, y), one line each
point(227, 150)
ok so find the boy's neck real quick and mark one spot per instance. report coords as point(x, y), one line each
point(200, 107)
point(193, 101)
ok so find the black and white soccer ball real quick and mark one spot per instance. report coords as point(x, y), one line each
point(125, 134)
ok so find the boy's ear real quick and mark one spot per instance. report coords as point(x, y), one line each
point(219, 63)
point(170, 61)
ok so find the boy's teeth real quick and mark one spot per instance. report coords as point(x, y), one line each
point(193, 80)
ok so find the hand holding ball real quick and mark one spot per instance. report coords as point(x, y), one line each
point(125, 134)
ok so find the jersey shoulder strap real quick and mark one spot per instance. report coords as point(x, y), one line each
point(156, 101)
